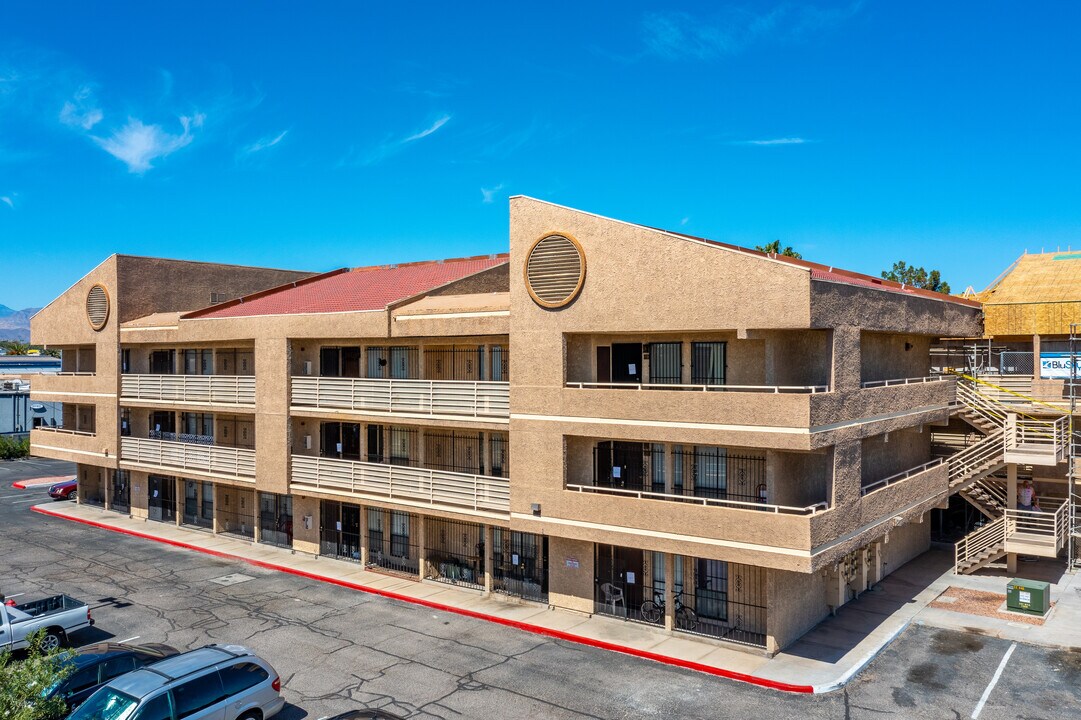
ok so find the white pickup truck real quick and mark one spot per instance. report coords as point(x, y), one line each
point(58, 615)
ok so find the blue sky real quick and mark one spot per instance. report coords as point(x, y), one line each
point(944, 134)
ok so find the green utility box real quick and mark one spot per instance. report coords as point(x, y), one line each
point(1028, 596)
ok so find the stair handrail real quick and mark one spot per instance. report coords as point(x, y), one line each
point(962, 464)
point(1027, 398)
point(989, 536)
point(996, 493)
point(998, 412)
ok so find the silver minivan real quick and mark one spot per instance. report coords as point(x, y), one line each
point(216, 682)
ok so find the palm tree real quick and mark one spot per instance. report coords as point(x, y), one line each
point(15, 347)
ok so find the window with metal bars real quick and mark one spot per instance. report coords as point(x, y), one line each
point(454, 552)
point(454, 363)
point(392, 362)
point(520, 564)
point(453, 450)
point(708, 363)
point(665, 363)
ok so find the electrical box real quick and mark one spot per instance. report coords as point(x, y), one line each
point(307, 442)
point(1031, 597)
point(307, 367)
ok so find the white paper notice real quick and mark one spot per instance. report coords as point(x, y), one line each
point(514, 559)
point(632, 369)
point(339, 447)
point(617, 471)
point(630, 578)
point(1024, 597)
point(155, 493)
point(338, 526)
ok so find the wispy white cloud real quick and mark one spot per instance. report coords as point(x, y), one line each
point(427, 131)
point(7, 201)
point(684, 221)
point(137, 145)
point(82, 109)
point(392, 145)
point(488, 194)
point(680, 35)
point(264, 143)
point(774, 141)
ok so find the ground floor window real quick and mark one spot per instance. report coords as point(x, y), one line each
point(276, 519)
point(161, 498)
point(198, 504)
point(454, 552)
point(619, 582)
point(392, 541)
point(729, 601)
point(120, 492)
point(520, 564)
point(339, 530)
point(235, 511)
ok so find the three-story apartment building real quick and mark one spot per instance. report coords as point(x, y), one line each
point(704, 438)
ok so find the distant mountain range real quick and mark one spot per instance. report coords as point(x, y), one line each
point(15, 324)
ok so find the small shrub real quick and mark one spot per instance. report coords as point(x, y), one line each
point(12, 448)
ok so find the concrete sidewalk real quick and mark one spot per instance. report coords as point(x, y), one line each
point(823, 660)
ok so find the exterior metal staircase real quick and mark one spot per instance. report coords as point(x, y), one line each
point(1011, 437)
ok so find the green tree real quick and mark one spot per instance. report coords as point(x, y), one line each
point(774, 248)
point(12, 448)
point(15, 347)
point(917, 277)
point(22, 683)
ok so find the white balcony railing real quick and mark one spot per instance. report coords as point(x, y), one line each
point(774, 389)
point(460, 398)
point(706, 501)
point(433, 488)
point(219, 389)
point(214, 459)
point(905, 381)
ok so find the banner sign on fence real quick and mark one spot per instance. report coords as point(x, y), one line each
point(1056, 366)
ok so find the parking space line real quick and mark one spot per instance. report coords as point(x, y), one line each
point(23, 502)
point(136, 637)
point(994, 681)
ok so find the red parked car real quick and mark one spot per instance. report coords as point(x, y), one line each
point(63, 490)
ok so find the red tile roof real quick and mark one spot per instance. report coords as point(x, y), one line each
point(357, 290)
point(832, 274)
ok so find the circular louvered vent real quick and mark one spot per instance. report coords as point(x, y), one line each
point(97, 307)
point(555, 270)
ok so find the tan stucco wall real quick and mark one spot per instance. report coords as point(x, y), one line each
point(570, 574)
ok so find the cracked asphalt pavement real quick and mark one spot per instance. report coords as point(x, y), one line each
point(338, 649)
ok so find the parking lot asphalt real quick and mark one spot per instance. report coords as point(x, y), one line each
point(338, 649)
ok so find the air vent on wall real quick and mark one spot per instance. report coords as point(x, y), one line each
point(97, 307)
point(555, 270)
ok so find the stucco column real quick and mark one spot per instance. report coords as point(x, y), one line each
point(686, 362)
point(669, 591)
point(363, 540)
point(669, 469)
point(106, 481)
point(862, 575)
point(422, 540)
point(178, 494)
point(847, 470)
point(272, 365)
point(489, 553)
point(256, 524)
point(846, 359)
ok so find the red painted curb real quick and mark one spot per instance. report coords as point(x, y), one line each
point(18, 485)
point(535, 629)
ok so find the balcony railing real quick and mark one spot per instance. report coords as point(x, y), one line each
point(220, 389)
point(462, 398)
point(66, 431)
point(904, 381)
point(706, 501)
point(775, 389)
point(434, 488)
point(900, 477)
point(215, 459)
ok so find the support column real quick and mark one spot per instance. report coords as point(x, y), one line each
point(669, 469)
point(1011, 503)
point(363, 540)
point(422, 541)
point(178, 495)
point(669, 591)
point(489, 552)
point(862, 575)
point(486, 454)
point(107, 487)
point(256, 525)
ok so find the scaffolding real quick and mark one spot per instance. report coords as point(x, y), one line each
point(1073, 562)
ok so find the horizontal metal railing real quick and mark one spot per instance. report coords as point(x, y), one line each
point(70, 373)
point(216, 459)
point(221, 389)
point(435, 488)
point(979, 456)
point(904, 381)
point(988, 538)
point(65, 431)
point(900, 477)
point(1041, 435)
point(1051, 525)
point(463, 398)
point(709, 502)
point(775, 389)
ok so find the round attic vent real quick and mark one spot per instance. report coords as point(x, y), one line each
point(555, 270)
point(97, 307)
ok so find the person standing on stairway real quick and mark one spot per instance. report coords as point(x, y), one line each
point(1026, 496)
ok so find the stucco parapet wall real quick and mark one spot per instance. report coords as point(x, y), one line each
point(835, 304)
point(371, 323)
point(91, 449)
point(89, 386)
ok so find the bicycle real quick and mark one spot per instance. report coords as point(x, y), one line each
point(653, 611)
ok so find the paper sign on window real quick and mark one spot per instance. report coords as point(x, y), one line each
point(630, 578)
point(617, 471)
point(632, 369)
point(338, 526)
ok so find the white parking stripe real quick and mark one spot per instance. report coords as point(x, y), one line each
point(994, 681)
point(122, 642)
point(23, 502)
